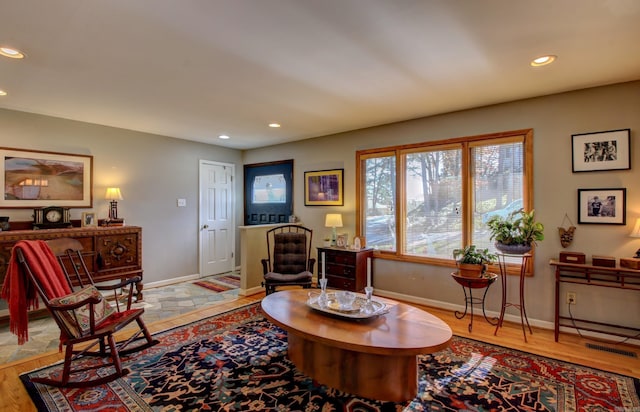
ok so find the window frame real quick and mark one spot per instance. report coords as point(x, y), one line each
point(525, 136)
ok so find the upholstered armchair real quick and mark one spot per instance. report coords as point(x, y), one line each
point(289, 259)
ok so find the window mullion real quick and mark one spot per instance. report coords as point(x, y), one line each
point(401, 161)
point(467, 199)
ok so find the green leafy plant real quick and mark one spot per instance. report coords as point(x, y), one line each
point(518, 228)
point(474, 256)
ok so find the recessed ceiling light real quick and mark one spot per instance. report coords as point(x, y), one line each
point(11, 53)
point(543, 60)
point(223, 136)
point(274, 125)
point(2, 93)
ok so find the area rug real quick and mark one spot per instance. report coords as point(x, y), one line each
point(237, 361)
point(233, 280)
point(220, 283)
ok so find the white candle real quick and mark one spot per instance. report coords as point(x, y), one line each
point(323, 267)
point(368, 271)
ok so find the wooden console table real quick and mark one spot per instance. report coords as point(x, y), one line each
point(110, 253)
point(582, 274)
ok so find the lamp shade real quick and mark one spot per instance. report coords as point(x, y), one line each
point(113, 193)
point(333, 220)
point(636, 230)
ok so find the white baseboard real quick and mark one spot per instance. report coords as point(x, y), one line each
point(453, 307)
point(542, 324)
point(251, 291)
point(168, 282)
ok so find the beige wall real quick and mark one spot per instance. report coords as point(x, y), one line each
point(554, 119)
point(152, 172)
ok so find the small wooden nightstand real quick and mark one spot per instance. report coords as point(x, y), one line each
point(345, 269)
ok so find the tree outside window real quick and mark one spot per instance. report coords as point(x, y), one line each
point(420, 202)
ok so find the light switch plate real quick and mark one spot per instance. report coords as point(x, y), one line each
point(182, 202)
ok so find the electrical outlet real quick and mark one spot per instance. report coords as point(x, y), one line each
point(571, 298)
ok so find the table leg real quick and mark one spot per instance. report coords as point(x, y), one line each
point(556, 332)
point(468, 304)
point(483, 311)
point(503, 305)
point(523, 310)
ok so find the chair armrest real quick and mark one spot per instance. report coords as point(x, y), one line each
point(312, 263)
point(71, 306)
point(265, 266)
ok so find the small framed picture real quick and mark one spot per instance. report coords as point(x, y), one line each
point(324, 188)
point(342, 240)
point(89, 219)
point(600, 151)
point(602, 206)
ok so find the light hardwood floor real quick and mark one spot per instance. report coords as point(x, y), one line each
point(570, 348)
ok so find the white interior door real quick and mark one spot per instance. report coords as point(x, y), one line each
point(217, 232)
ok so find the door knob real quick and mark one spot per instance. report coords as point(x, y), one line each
point(205, 227)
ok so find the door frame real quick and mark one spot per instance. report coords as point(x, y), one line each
point(232, 206)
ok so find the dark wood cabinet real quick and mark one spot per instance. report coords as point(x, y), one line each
point(111, 253)
point(345, 268)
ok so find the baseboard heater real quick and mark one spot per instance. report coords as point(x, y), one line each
point(612, 350)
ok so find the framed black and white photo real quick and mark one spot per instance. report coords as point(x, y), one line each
point(602, 206)
point(600, 151)
point(89, 219)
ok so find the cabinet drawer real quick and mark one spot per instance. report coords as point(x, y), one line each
point(343, 258)
point(117, 251)
point(337, 282)
point(341, 270)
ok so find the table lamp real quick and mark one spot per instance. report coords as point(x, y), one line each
point(113, 194)
point(333, 220)
point(636, 233)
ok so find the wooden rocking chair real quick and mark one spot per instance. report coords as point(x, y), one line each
point(84, 316)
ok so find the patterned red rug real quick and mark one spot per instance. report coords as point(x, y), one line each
point(233, 280)
point(220, 283)
point(237, 361)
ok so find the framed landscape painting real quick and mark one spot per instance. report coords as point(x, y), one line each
point(34, 178)
point(601, 151)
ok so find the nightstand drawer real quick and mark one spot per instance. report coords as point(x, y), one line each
point(343, 258)
point(341, 270)
point(337, 282)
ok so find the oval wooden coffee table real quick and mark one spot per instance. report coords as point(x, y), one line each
point(375, 358)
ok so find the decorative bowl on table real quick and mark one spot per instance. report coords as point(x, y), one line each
point(345, 299)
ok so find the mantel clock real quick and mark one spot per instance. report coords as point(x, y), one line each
point(52, 217)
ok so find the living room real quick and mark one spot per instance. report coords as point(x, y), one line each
point(150, 191)
point(153, 170)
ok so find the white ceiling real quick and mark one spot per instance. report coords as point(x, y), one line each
point(194, 69)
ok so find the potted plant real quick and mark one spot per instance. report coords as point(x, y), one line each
point(472, 262)
point(517, 232)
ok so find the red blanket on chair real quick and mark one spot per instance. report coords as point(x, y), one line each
point(18, 289)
